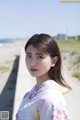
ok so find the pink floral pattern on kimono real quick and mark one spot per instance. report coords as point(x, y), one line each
point(47, 100)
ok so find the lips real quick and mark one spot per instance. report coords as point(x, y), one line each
point(33, 69)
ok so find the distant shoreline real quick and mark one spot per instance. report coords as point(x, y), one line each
point(10, 41)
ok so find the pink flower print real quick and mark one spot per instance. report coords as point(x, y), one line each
point(17, 117)
point(34, 93)
point(65, 115)
point(56, 113)
point(52, 116)
point(37, 93)
point(37, 88)
point(52, 109)
point(30, 96)
point(41, 103)
point(26, 95)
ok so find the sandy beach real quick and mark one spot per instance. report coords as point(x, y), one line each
point(9, 59)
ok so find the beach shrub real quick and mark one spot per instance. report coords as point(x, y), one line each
point(76, 74)
point(4, 69)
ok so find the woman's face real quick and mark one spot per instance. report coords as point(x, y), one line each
point(37, 63)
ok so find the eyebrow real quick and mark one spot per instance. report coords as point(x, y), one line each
point(36, 53)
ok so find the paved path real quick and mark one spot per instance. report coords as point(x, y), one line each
point(25, 83)
point(73, 97)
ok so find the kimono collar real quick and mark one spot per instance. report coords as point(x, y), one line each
point(50, 84)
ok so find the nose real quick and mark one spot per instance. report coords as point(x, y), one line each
point(33, 62)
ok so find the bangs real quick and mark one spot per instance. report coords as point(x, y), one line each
point(41, 48)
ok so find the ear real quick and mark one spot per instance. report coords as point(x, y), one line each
point(54, 61)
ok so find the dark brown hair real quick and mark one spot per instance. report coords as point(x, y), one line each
point(46, 44)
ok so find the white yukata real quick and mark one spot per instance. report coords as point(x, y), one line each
point(43, 102)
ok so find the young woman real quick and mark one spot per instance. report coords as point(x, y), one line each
point(45, 101)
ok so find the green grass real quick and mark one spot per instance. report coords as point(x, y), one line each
point(6, 66)
point(4, 69)
point(70, 45)
point(77, 60)
point(76, 74)
point(75, 63)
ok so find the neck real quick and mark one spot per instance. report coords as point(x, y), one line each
point(42, 79)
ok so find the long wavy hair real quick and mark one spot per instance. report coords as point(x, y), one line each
point(46, 44)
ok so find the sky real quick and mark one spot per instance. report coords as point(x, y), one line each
point(23, 18)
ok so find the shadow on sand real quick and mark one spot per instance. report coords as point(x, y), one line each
point(8, 93)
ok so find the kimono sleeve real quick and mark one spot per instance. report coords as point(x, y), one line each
point(49, 111)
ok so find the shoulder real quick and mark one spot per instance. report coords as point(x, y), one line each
point(54, 95)
point(52, 98)
point(49, 110)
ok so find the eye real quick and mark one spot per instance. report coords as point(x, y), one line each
point(40, 57)
point(28, 56)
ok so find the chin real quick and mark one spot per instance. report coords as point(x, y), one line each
point(34, 75)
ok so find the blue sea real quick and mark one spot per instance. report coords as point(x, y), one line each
point(9, 41)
